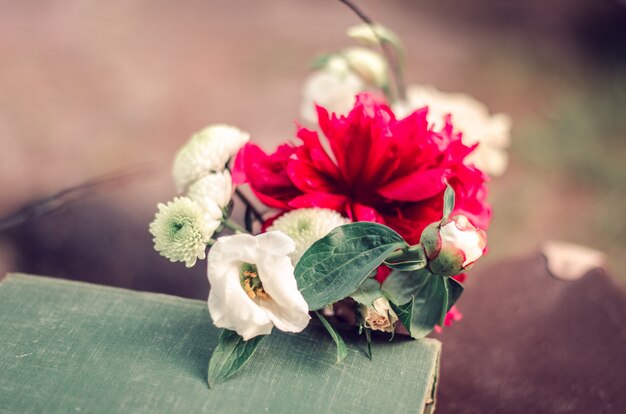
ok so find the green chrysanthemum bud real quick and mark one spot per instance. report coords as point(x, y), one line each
point(452, 245)
point(181, 231)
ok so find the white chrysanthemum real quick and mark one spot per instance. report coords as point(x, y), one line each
point(307, 225)
point(333, 87)
point(207, 151)
point(471, 118)
point(211, 191)
point(181, 231)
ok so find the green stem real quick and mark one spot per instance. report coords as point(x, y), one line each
point(229, 224)
point(257, 214)
point(388, 50)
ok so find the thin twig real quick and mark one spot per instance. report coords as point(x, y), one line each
point(68, 195)
point(388, 50)
point(257, 214)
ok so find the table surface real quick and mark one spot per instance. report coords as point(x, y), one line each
point(75, 347)
point(531, 343)
point(528, 343)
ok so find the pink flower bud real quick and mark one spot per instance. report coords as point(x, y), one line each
point(452, 245)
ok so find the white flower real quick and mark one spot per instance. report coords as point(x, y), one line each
point(253, 287)
point(181, 231)
point(213, 190)
point(364, 33)
point(471, 118)
point(334, 87)
point(369, 65)
point(379, 316)
point(207, 151)
point(307, 225)
point(452, 245)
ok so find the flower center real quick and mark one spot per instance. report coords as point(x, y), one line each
point(251, 282)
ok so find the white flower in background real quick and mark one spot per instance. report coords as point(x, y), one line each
point(334, 87)
point(207, 151)
point(379, 316)
point(213, 190)
point(181, 231)
point(471, 118)
point(306, 226)
point(343, 76)
point(364, 33)
point(369, 65)
point(452, 245)
point(253, 287)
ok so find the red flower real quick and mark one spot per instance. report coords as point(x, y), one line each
point(373, 168)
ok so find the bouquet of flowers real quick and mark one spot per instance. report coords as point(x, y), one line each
point(382, 209)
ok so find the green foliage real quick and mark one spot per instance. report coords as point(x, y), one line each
point(336, 265)
point(413, 258)
point(421, 299)
point(367, 292)
point(342, 349)
point(448, 201)
point(455, 289)
point(230, 355)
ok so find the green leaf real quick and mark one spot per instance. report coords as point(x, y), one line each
point(413, 258)
point(367, 292)
point(454, 291)
point(448, 201)
point(428, 302)
point(401, 287)
point(368, 338)
point(320, 62)
point(342, 349)
point(336, 265)
point(230, 355)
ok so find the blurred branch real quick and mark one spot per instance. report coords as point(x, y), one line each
point(249, 205)
point(387, 47)
point(66, 196)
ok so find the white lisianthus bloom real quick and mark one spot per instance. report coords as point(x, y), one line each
point(334, 87)
point(452, 245)
point(306, 226)
point(215, 189)
point(471, 118)
point(253, 287)
point(379, 316)
point(207, 151)
point(181, 231)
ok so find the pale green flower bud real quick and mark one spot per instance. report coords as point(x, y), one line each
point(379, 316)
point(369, 65)
point(452, 245)
point(371, 35)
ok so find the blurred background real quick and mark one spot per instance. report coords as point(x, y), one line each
point(89, 88)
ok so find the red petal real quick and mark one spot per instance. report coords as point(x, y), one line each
point(417, 186)
point(322, 200)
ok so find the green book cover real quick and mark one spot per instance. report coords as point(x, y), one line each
point(75, 347)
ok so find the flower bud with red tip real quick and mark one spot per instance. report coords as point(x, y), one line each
point(452, 245)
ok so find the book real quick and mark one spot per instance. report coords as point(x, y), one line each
point(77, 347)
